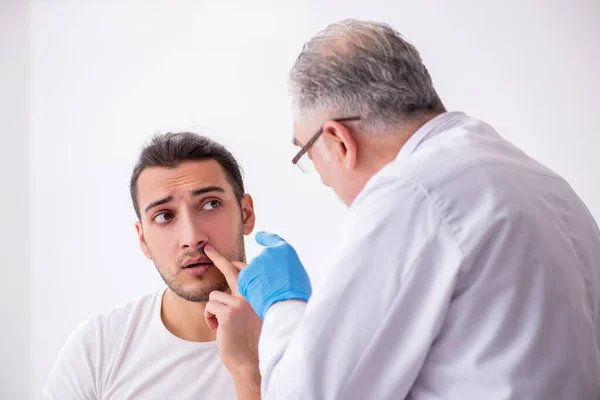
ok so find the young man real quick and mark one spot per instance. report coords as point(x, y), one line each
point(187, 192)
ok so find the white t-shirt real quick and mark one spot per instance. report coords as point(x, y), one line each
point(128, 353)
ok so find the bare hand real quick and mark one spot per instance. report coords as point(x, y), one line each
point(238, 326)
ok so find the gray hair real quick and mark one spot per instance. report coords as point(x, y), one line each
point(362, 68)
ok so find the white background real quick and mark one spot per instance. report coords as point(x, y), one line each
point(83, 84)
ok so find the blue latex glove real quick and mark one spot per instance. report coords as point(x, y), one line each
point(276, 274)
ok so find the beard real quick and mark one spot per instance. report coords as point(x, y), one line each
point(202, 292)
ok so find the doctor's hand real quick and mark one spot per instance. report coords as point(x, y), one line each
point(276, 274)
point(238, 329)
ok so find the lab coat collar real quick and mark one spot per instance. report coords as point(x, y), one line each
point(431, 128)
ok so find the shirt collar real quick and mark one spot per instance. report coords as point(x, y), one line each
point(428, 130)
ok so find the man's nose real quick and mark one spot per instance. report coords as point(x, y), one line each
point(192, 234)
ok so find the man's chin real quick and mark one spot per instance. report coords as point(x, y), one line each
point(200, 293)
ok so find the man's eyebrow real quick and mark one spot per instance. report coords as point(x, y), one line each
point(194, 193)
point(158, 203)
point(208, 189)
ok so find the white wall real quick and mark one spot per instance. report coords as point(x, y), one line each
point(107, 75)
point(15, 246)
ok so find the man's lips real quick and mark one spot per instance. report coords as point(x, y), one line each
point(198, 269)
point(197, 262)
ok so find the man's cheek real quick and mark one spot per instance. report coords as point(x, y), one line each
point(219, 232)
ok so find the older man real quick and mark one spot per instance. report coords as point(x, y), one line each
point(467, 270)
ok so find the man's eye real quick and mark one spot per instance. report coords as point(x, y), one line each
point(163, 217)
point(211, 205)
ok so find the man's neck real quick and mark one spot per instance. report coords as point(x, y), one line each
point(185, 319)
point(385, 149)
point(379, 151)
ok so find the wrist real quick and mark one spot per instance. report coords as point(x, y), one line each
point(247, 382)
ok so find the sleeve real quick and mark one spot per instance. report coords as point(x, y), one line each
point(369, 324)
point(72, 376)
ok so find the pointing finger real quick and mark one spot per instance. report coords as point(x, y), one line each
point(227, 269)
point(239, 265)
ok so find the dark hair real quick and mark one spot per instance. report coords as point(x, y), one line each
point(169, 150)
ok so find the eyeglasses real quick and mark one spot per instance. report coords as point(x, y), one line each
point(305, 164)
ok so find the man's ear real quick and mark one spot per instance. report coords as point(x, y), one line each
point(143, 246)
point(340, 143)
point(248, 216)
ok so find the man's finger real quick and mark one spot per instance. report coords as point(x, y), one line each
point(239, 265)
point(227, 269)
point(223, 298)
point(269, 239)
point(211, 313)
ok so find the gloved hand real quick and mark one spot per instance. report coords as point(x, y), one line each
point(276, 274)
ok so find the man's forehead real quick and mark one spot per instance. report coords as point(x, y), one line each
point(190, 175)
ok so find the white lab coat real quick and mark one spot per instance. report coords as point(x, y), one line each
point(467, 271)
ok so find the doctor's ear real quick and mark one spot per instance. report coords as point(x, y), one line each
point(143, 246)
point(340, 143)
